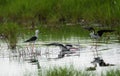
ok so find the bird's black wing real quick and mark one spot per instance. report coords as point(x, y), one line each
point(100, 32)
point(31, 39)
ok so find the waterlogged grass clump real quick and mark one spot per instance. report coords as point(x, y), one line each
point(9, 32)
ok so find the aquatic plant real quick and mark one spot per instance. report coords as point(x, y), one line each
point(10, 33)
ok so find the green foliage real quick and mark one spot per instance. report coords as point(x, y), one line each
point(10, 32)
point(112, 72)
point(52, 11)
point(71, 71)
point(64, 71)
point(25, 12)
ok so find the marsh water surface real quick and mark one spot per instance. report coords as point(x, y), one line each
point(13, 65)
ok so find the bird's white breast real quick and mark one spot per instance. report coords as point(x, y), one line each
point(95, 36)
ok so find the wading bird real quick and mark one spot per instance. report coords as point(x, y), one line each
point(97, 35)
point(65, 49)
point(33, 39)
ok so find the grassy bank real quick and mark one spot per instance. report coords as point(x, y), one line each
point(30, 12)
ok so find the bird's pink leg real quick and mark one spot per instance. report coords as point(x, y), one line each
point(29, 49)
point(92, 44)
point(92, 48)
point(96, 49)
point(33, 48)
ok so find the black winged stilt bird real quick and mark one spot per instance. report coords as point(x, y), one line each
point(65, 49)
point(97, 35)
point(33, 39)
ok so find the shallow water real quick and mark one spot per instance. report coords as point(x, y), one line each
point(18, 66)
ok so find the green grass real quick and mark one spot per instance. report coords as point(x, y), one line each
point(71, 71)
point(64, 71)
point(112, 73)
point(10, 33)
point(105, 12)
point(117, 32)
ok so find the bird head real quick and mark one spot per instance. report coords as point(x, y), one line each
point(36, 31)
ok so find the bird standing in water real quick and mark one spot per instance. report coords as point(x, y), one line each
point(97, 35)
point(33, 39)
